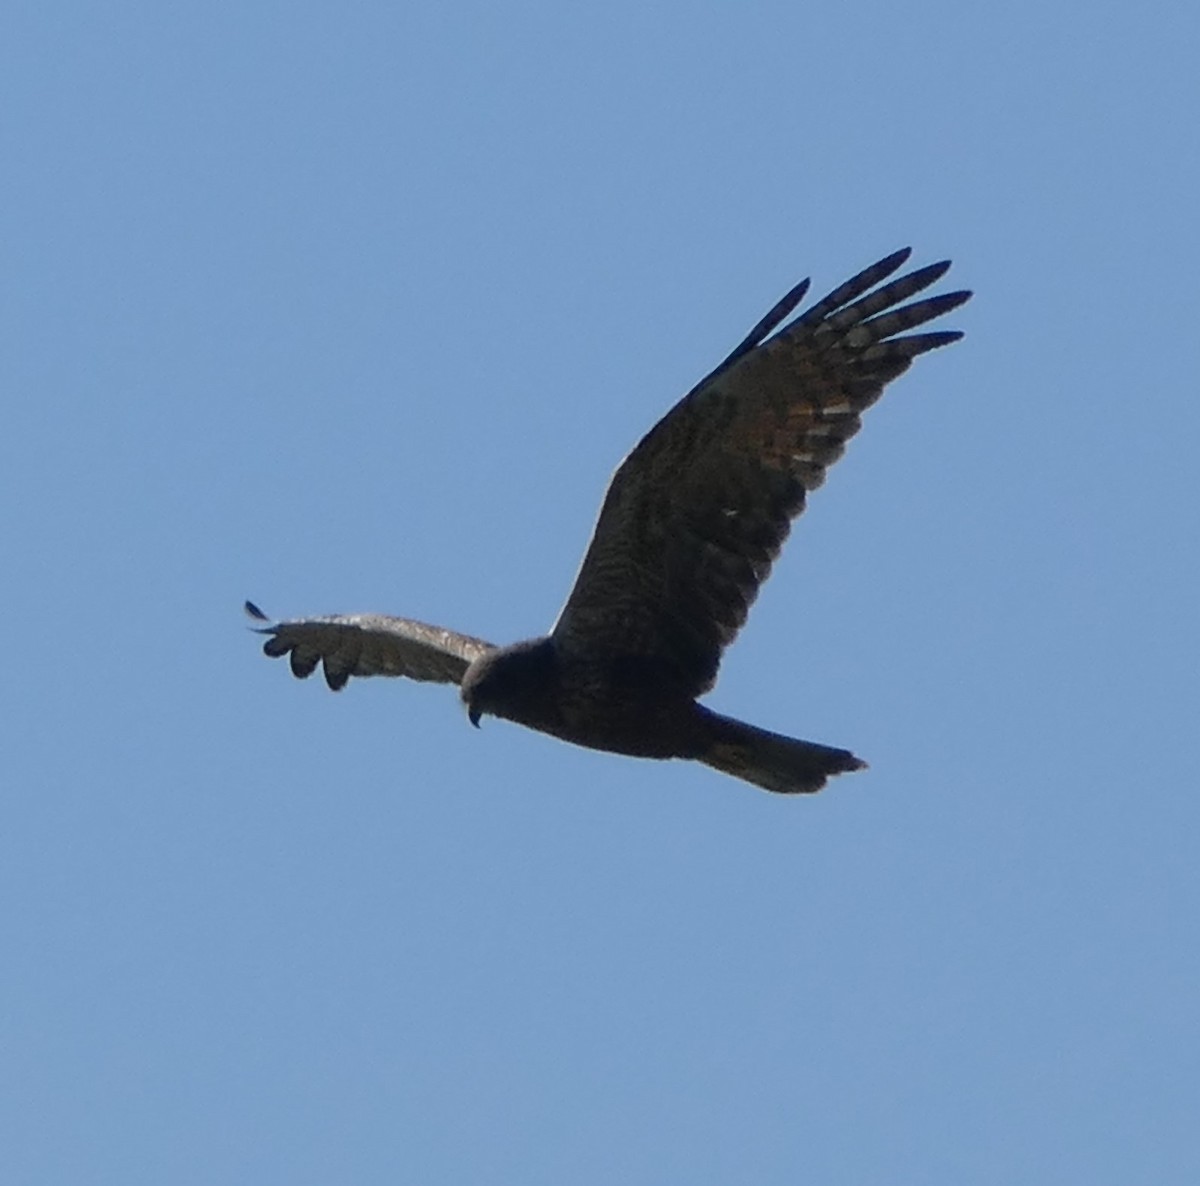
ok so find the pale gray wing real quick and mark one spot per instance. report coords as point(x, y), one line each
point(695, 516)
point(369, 644)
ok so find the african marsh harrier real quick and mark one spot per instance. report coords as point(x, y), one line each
point(691, 524)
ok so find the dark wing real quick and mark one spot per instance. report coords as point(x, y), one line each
point(370, 644)
point(696, 514)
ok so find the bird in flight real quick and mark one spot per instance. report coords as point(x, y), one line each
point(692, 521)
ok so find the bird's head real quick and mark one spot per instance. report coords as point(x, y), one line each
point(507, 681)
point(479, 686)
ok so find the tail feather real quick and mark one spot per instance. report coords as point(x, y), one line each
point(785, 765)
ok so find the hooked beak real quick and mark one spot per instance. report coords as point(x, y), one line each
point(473, 715)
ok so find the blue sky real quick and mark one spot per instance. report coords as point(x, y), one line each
point(356, 307)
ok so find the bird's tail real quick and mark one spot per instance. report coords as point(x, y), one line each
point(772, 761)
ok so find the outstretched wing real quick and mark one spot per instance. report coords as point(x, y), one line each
point(369, 644)
point(696, 514)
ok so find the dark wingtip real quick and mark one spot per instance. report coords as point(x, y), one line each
point(938, 270)
point(951, 300)
point(256, 615)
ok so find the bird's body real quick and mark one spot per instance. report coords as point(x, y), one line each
point(691, 524)
point(601, 703)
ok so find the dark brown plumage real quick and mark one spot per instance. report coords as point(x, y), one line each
point(691, 524)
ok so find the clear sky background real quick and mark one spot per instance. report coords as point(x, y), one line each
point(349, 307)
